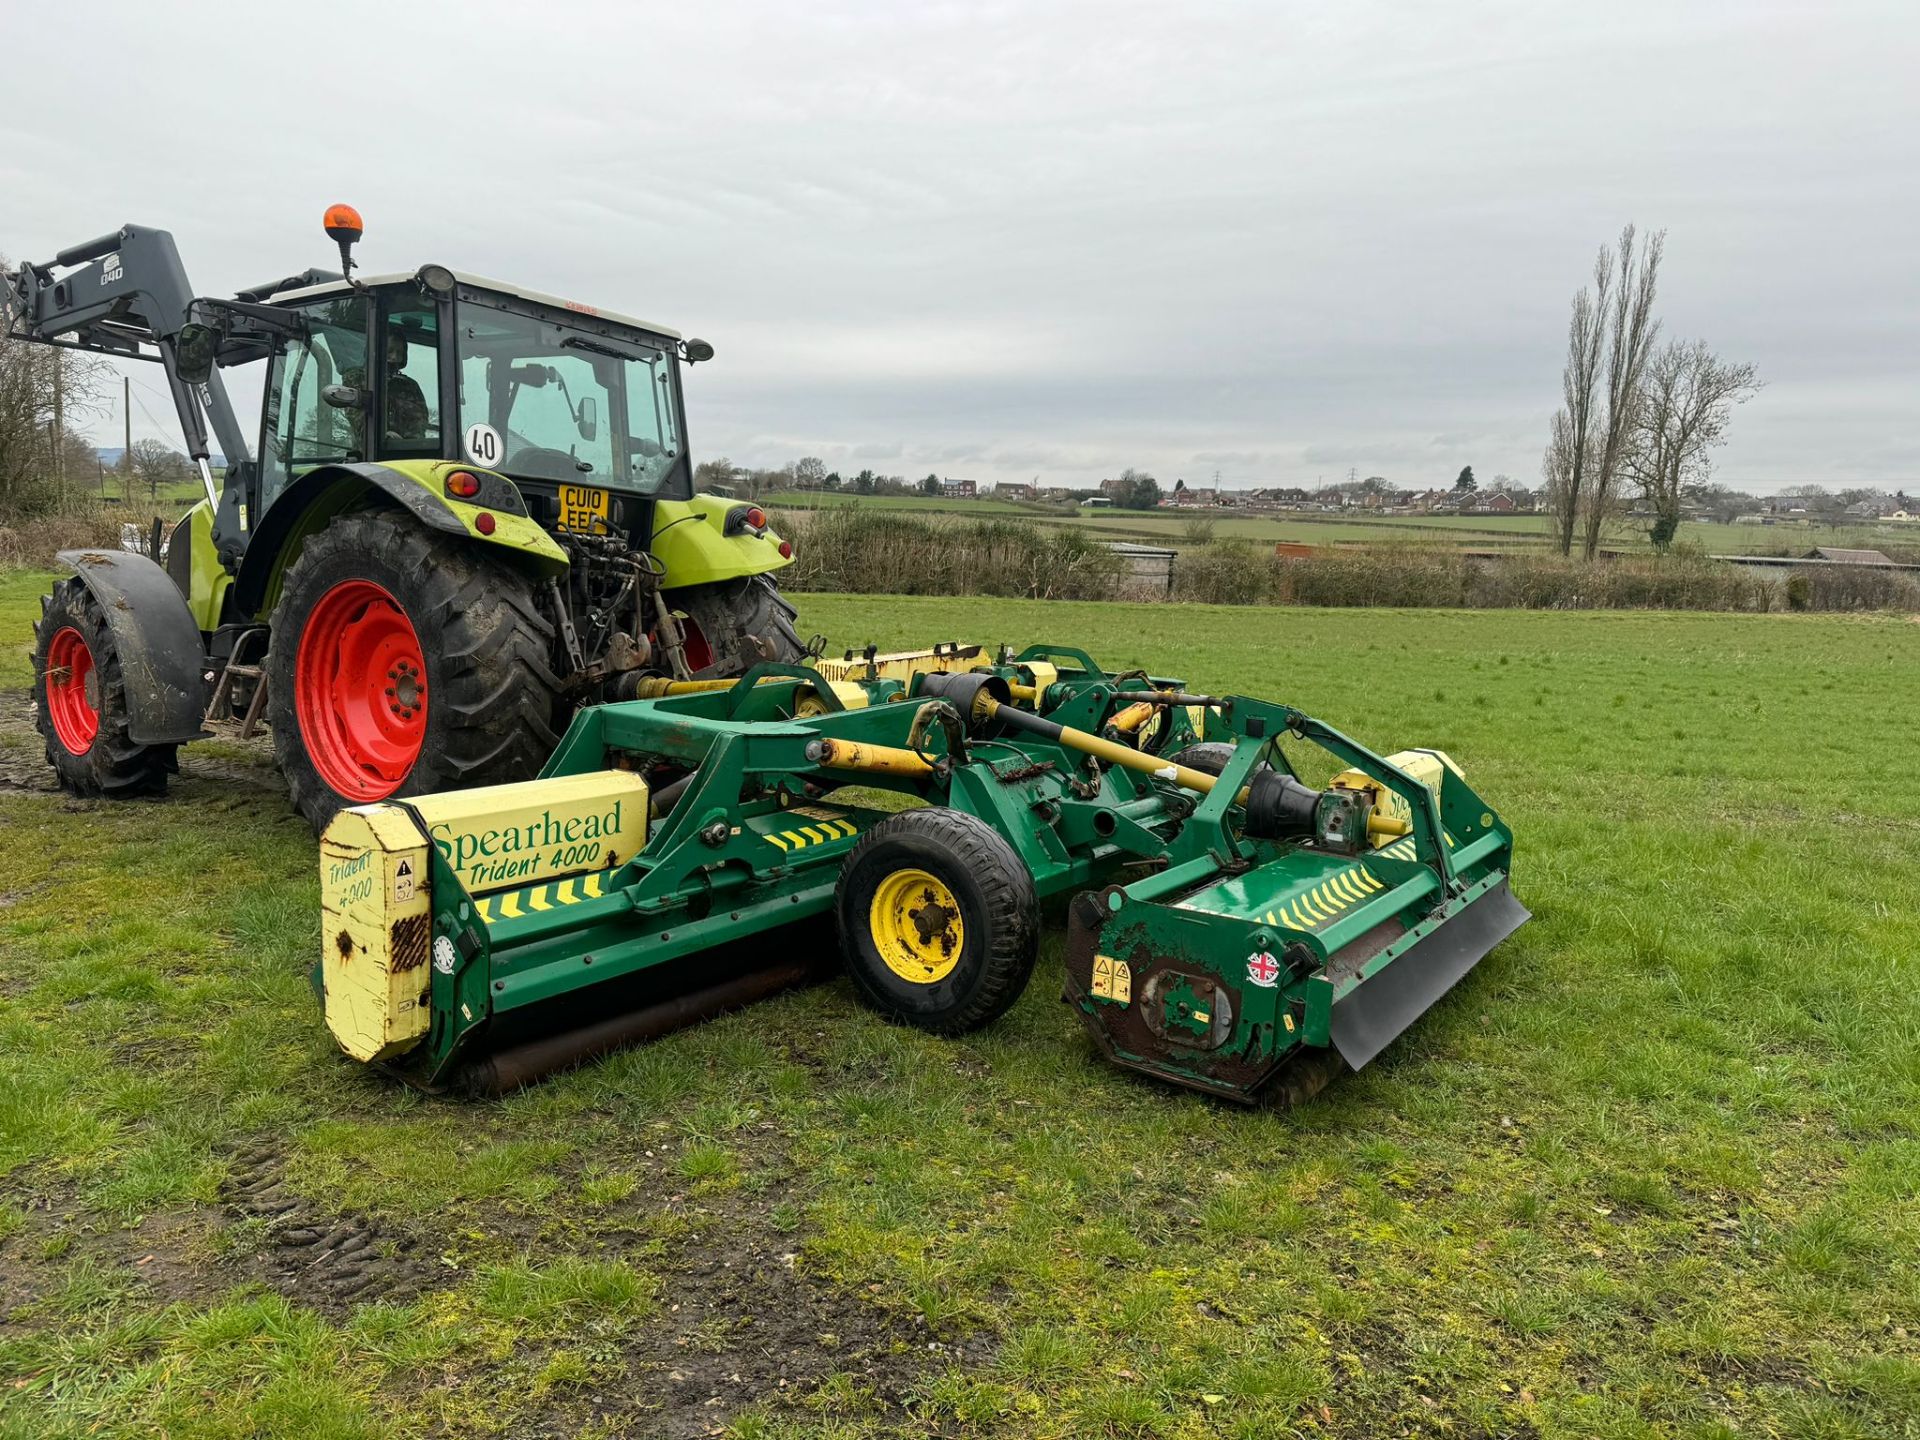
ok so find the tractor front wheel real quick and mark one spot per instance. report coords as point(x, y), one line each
point(404, 662)
point(938, 920)
point(80, 701)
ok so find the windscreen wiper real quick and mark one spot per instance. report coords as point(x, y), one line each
point(580, 342)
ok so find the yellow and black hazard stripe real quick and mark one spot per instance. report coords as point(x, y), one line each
point(516, 903)
point(1311, 909)
point(820, 832)
point(1403, 848)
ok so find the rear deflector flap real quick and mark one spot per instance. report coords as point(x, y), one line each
point(1369, 1017)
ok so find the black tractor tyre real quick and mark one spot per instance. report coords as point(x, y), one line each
point(979, 881)
point(107, 762)
point(491, 697)
point(1209, 757)
point(745, 622)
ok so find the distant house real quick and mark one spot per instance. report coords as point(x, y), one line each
point(959, 489)
point(1190, 496)
point(1013, 490)
point(1498, 504)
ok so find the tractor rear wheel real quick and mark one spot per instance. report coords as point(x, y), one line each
point(80, 701)
point(938, 920)
point(404, 662)
point(737, 624)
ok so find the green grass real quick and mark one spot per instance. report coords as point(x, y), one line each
point(1651, 1171)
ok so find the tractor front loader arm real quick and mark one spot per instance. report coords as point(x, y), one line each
point(126, 294)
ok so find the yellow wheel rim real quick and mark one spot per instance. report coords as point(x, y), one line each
point(916, 926)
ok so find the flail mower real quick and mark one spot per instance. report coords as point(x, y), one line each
point(1231, 927)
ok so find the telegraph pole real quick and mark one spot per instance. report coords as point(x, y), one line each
point(126, 455)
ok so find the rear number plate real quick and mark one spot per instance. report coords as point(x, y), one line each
point(583, 509)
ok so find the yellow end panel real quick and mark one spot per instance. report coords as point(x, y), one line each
point(810, 704)
point(376, 931)
point(506, 836)
point(1426, 766)
point(1045, 676)
point(903, 665)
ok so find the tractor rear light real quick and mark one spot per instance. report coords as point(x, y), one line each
point(464, 485)
point(746, 517)
point(484, 522)
point(786, 549)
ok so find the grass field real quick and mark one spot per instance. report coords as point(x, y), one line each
point(1474, 532)
point(1651, 1171)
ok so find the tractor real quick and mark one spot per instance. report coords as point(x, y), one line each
point(469, 513)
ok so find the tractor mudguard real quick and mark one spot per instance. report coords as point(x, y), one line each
point(693, 548)
point(161, 654)
point(418, 486)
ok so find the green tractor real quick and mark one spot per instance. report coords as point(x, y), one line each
point(470, 512)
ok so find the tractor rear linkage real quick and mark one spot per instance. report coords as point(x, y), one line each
point(1231, 928)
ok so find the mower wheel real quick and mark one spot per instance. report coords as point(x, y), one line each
point(938, 920)
point(80, 701)
point(403, 662)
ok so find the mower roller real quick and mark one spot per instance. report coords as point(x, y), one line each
point(1231, 927)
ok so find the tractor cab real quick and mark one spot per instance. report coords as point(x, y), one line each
point(580, 408)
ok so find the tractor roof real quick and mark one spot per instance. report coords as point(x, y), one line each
point(478, 282)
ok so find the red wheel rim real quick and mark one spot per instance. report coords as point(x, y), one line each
point(698, 652)
point(360, 691)
point(70, 690)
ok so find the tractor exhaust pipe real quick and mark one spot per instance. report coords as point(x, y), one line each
point(518, 1065)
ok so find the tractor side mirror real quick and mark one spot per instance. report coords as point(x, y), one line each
point(193, 351)
point(588, 420)
point(344, 397)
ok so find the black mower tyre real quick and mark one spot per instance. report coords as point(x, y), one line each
point(1209, 757)
point(441, 626)
point(938, 920)
point(80, 702)
point(745, 622)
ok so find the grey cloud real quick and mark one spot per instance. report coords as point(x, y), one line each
point(1072, 237)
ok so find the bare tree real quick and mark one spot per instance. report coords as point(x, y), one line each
point(1609, 335)
point(718, 473)
point(42, 392)
point(1687, 399)
point(1631, 329)
point(1579, 379)
point(156, 463)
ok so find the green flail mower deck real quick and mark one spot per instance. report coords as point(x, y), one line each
point(1231, 927)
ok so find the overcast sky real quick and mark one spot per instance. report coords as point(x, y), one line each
point(999, 241)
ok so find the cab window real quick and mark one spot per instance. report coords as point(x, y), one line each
point(300, 429)
point(553, 396)
point(410, 384)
